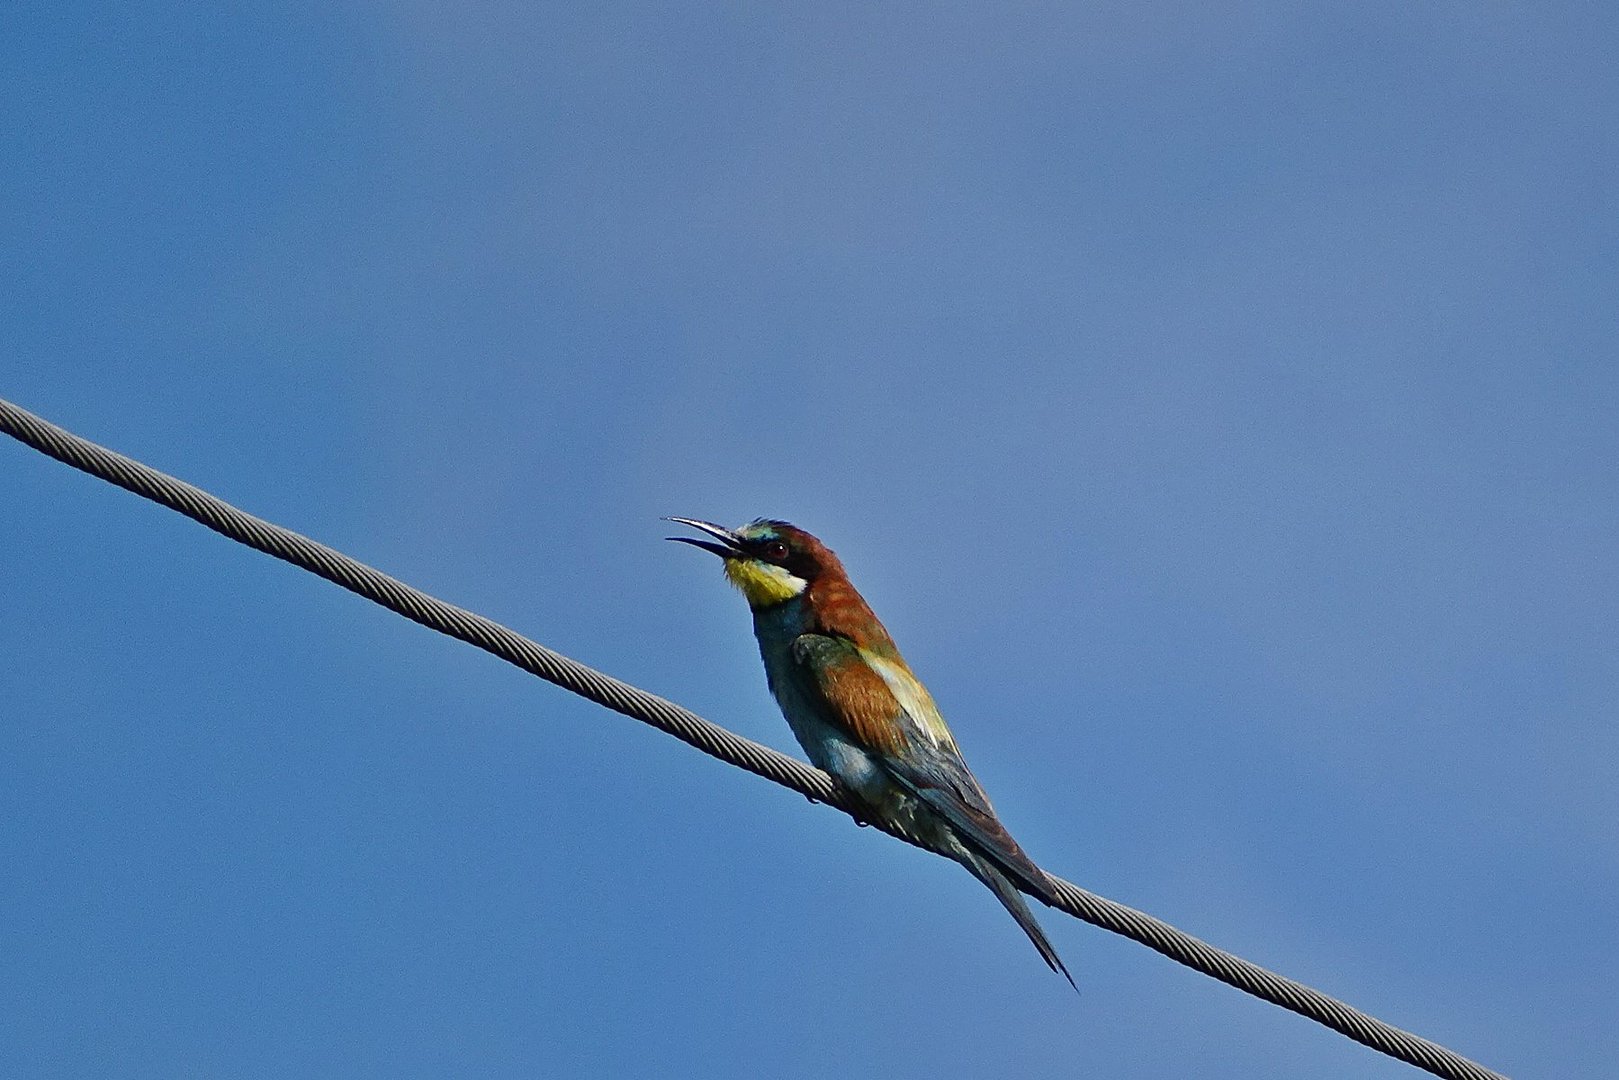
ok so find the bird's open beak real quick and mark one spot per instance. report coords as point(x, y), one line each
point(729, 546)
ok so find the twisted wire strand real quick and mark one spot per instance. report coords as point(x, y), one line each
point(692, 729)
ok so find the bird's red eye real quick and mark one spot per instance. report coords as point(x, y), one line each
point(776, 550)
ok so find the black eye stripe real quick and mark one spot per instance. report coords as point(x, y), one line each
point(779, 552)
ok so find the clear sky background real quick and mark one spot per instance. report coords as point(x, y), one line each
point(1219, 402)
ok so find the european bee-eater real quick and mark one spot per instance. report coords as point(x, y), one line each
point(860, 714)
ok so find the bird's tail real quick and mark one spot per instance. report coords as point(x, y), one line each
point(1010, 898)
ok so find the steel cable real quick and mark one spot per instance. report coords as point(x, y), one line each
point(690, 728)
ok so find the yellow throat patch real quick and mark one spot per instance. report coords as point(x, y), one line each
point(763, 584)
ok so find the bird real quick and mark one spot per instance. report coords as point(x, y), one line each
point(861, 715)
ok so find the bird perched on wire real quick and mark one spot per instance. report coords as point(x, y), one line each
point(861, 715)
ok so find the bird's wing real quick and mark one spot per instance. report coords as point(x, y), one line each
point(885, 710)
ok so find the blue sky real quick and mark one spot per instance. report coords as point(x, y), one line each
point(1216, 401)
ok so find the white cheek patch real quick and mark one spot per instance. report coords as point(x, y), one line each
point(786, 581)
point(764, 583)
